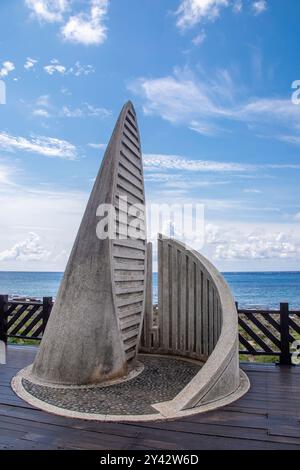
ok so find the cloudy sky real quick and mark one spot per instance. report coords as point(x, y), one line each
point(211, 81)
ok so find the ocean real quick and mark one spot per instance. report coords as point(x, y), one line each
point(251, 290)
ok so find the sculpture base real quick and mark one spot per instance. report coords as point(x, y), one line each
point(160, 379)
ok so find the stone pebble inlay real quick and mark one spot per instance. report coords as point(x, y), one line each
point(161, 380)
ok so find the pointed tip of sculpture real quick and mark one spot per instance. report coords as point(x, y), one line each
point(129, 105)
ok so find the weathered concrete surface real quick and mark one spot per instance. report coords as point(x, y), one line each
point(83, 341)
point(197, 318)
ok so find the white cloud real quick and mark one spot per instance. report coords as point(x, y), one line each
point(87, 28)
point(43, 100)
point(154, 162)
point(182, 98)
point(27, 250)
point(30, 63)
point(41, 113)
point(5, 174)
point(205, 104)
point(256, 244)
point(55, 67)
point(44, 108)
point(78, 69)
point(252, 191)
point(53, 214)
point(191, 12)
point(6, 68)
point(199, 39)
point(87, 110)
point(237, 6)
point(290, 139)
point(84, 27)
point(51, 11)
point(259, 6)
point(175, 162)
point(46, 146)
point(98, 146)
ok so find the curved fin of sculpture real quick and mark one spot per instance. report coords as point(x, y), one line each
point(94, 328)
point(197, 319)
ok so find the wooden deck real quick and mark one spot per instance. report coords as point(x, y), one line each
point(268, 417)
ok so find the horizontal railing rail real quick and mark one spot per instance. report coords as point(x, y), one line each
point(262, 332)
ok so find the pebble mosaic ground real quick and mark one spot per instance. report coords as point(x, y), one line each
point(161, 380)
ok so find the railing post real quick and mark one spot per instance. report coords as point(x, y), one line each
point(3, 327)
point(47, 307)
point(285, 356)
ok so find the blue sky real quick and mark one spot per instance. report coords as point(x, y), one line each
point(211, 81)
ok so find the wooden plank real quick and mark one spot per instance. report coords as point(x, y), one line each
point(247, 345)
point(254, 336)
point(266, 418)
point(294, 325)
point(15, 328)
point(16, 316)
point(266, 332)
point(33, 324)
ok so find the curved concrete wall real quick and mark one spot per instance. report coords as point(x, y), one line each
point(197, 319)
point(94, 328)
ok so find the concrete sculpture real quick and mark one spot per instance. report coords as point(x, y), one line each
point(188, 347)
point(94, 329)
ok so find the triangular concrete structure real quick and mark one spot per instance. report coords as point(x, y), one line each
point(94, 328)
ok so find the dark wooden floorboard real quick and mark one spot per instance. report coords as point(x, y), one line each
point(268, 417)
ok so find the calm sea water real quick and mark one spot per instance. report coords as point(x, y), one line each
point(264, 290)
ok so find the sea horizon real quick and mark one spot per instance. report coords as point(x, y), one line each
point(251, 289)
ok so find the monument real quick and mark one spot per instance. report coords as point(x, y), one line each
point(105, 354)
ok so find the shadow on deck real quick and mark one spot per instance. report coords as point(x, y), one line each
point(267, 417)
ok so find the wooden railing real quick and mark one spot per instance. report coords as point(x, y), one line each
point(267, 333)
point(25, 320)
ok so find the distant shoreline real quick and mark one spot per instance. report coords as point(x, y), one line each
point(155, 272)
point(253, 289)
